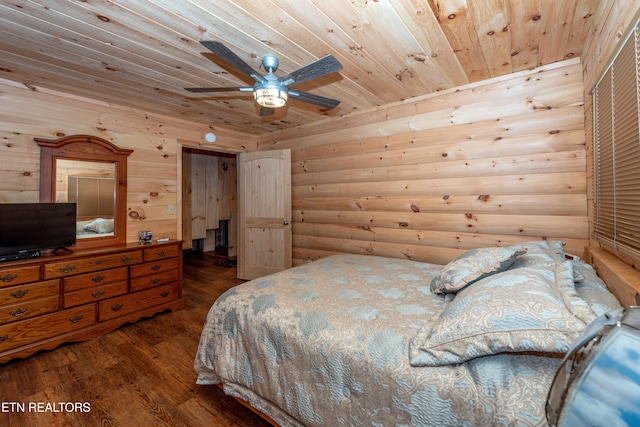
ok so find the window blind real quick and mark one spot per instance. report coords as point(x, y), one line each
point(616, 109)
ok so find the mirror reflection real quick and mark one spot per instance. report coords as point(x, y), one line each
point(92, 186)
point(91, 160)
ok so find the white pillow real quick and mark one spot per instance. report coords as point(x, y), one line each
point(100, 225)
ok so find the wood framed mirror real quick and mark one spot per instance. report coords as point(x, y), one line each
point(91, 172)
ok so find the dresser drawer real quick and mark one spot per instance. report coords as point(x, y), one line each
point(91, 280)
point(152, 280)
point(87, 265)
point(154, 267)
point(120, 306)
point(27, 309)
point(163, 252)
point(98, 293)
point(19, 275)
point(42, 327)
point(22, 293)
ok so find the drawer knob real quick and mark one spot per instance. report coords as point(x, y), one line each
point(162, 253)
point(156, 280)
point(97, 294)
point(126, 259)
point(19, 293)
point(8, 278)
point(98, 279)
point(76, 319)
point(3, 338)
point(67, 269)
point(165, 294)
point(116, 307)
point(18, 312)
point(156, 267)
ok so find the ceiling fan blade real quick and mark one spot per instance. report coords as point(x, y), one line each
point(223, 52)
point(311, 98)
point(265, 111)
point(318, 68)
point(218, 89)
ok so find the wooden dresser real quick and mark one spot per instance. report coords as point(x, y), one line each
point(54, 299)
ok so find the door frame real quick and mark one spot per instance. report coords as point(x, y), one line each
point(184, 200)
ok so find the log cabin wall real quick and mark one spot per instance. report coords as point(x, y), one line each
point(495, 162)
point(613, 20)
point(491, 163)
point(153, 167)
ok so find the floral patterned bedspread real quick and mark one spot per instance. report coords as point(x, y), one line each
point(327, 344)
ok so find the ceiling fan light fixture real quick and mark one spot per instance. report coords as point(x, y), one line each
point(270, 91)
point(271, 97)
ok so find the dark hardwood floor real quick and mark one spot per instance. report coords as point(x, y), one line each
point(139, 375)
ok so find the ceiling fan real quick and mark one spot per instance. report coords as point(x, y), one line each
point(272, 92)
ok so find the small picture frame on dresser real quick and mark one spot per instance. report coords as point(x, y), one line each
point(145, 236)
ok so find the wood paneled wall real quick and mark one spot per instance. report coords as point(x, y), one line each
point(613, 21)
point(493, 163)
point(153, 167)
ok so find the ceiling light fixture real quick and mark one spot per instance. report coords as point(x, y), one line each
point(271, 97)
point(270, 92)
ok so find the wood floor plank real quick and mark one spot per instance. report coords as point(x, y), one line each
point(139, 375)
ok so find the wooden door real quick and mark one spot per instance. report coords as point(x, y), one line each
point(264, 213)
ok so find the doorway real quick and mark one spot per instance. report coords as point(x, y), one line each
point(209, 202)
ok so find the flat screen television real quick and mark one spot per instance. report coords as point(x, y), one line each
point(28, 228)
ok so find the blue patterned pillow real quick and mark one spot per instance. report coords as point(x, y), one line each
point(540, 252)
point(519, 310)
point(474, 265)
point(593, 290)
point(566, 286)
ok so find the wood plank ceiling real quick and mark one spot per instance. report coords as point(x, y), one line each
point(143, 53)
